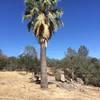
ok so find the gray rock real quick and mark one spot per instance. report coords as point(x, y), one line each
point(62, 78)
point(80, 81)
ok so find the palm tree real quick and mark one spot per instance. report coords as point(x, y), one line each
point(44, 18)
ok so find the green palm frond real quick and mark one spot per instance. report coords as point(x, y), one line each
point(57, 12)
point(41, 28)
point(31, 9)
point(54, 20)
point(44, 18)
point(29, 25)
point(50, 2)
point(59, 22)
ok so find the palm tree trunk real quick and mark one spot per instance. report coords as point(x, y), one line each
point(44, 80)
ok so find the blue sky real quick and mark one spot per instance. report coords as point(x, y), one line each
point(81, 27)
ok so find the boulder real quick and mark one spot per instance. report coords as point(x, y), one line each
point(62, 77)
point(58, 76)
point(80, 81)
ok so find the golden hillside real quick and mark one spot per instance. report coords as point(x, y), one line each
point(17, 86)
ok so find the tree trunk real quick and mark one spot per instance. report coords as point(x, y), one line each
point(44, 80)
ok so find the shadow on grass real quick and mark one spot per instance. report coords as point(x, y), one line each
point(22, 73)
point(39, 81)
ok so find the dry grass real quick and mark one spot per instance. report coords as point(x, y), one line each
point(17, 86)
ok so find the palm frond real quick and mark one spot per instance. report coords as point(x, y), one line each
point(44, 18)
point(29, 26)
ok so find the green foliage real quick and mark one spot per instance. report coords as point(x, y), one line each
point(27, 61)
point(82, 66)
point(11, 64)
point(44, 18)
point(3, 62)
point(28, 64)
point(78, 65)
point(74, 64)
point(52, 62)
point(29, 51)
point(83, 51)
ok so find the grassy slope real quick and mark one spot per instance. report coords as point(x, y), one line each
point(17, 86)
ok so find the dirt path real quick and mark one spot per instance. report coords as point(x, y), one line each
point(17, 86)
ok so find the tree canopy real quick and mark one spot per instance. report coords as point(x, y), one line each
point(44, 18)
